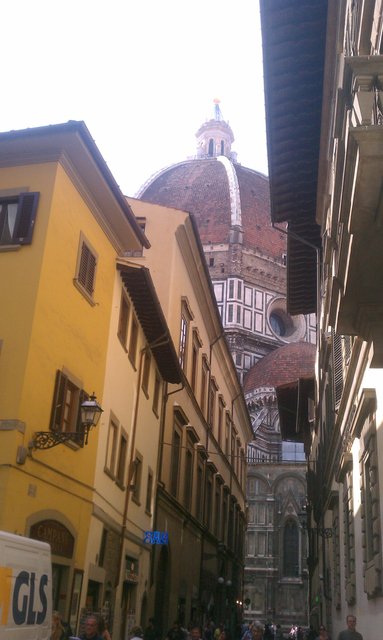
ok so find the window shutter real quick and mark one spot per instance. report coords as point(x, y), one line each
point(82, 397)
point(25, 217)
point(337, 367)
point(87, 269)
point(58, 402)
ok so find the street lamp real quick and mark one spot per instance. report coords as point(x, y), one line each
point(90, 415)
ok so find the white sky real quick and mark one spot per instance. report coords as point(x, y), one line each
point(142, 74)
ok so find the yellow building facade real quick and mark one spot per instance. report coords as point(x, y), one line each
point(63, 221)
point(108, 297)
point(201, 501)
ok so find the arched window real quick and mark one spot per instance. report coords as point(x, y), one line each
point(222, 148)
point(211, 147)
point(290, 549)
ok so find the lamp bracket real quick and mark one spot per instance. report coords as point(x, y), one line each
point(50, 439)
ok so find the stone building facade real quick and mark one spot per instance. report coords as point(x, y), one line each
point(246, 258)
point(334, 151)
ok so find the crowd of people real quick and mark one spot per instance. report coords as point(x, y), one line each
point(96, 629)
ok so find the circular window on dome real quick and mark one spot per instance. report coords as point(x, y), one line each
point(285, 327)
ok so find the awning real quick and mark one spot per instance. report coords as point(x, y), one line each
point(293, 407)
point(294, 37)
point(139, 285)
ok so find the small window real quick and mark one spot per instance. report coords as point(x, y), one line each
point(146, 372)
point(222, 148)
point(101, 555)
point(186, 317)
point(156, 393)
point(123, 320)
point(195, 356)
point(121, 465)
point(212, 403)
point(136, 482)
point(211, 147)
point(133, 341)
point(175, 462)
point(66, 406)
point(204, 378)
point(149, 492)
point(111, 450)
point(86, 268)
point(17, 218)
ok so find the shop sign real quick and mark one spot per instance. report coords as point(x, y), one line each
point(156, 537)
point(58, 536)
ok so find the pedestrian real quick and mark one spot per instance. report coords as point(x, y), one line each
point(58, 631)
point(195, 632)
point(136, 633)
point(151, 632)
point(91, 629)
point(176, 632)
point(103, 629)
point(257, 630)
point(350, 633)
point(278, 632)
point(323, 634)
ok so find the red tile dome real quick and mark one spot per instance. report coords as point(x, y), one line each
point(221, 195)
point(282, 366)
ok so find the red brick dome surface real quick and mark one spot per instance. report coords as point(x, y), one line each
point(282, 366)
point(201, 187)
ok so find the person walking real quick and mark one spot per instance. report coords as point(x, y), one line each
point(350, 633)
point(91, 629)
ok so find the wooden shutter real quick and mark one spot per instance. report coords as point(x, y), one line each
point(58, 402)
point(25, 217)
point(337, 367)
point(87, 268)
point(81, 398)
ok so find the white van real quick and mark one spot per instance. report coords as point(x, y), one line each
point(25, 588)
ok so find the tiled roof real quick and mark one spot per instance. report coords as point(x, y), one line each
point(201, 187)
point(282, 366)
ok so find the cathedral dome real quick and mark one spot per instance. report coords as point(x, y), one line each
point(282, 366)
point(231, 203)
point(221, 195)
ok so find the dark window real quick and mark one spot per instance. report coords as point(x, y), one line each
point(149, 492)
point(121, 465)
point(217, 517)
point(87, 269)
point(277, 324)
point(133, 341)
point(66, 407)
point(146, 371)
point(222, 148)
point(183, 340)
point(156, 393)
point(199, 497)
point(203, 385)
point(175, 462)
point(211, 147)
point(123, 320)
point(209, 500)
point(111, 452)
point(291, 549)
point(17, 218)
point(188, 478)
point(101, 555)
point(136, 482)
